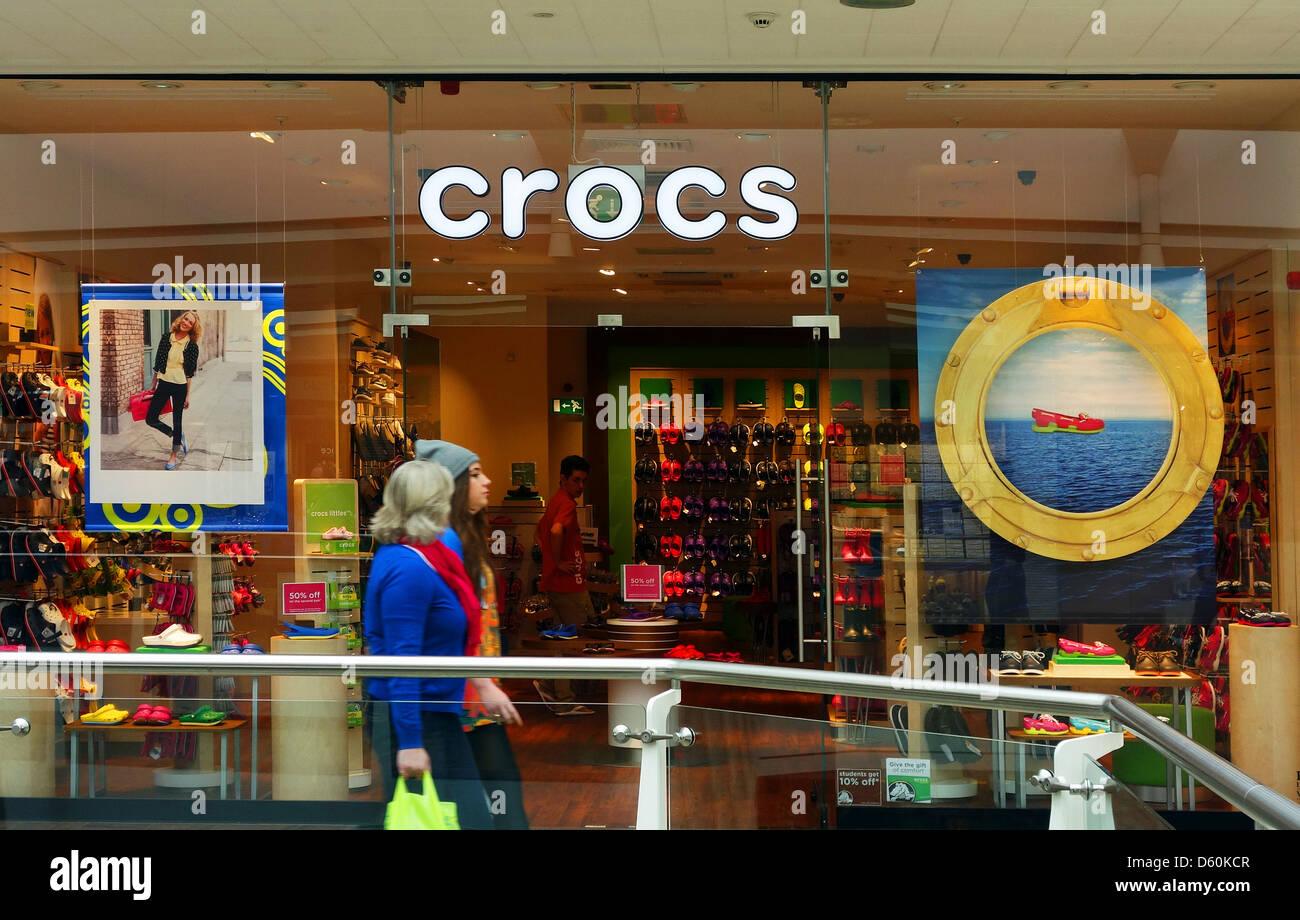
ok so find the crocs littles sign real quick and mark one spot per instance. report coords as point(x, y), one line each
point(606, 203)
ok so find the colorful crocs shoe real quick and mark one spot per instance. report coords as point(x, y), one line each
point(1082, 726)
point(1045, 724)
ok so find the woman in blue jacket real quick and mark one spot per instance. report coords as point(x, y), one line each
point(419, 601)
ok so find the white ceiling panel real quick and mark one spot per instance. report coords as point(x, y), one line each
point(1193, 27)
point(271, 33)
point(1050, 28)
point(909, 32)
point(468, 26)
point(148, 29)
point(635, 34)
point(18, 47)
point(339, 28)
point(978, 28)
point(559, 38)
point(71, 36)
point(1262, 30)
point(406, 28)
point(144, 37)
point(689, 29)
point(1128, 27)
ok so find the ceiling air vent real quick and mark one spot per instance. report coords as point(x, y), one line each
point(675, 251)
point(607, 144)
point(690, 279)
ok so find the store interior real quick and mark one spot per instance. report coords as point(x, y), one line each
point(117, 178)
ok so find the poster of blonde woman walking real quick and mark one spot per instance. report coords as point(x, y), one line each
point(177, 386)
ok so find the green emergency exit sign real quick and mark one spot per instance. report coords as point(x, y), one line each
point(568, 406)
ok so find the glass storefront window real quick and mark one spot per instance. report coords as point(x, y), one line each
point(1015, 410)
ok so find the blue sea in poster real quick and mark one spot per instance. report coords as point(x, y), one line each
point(1080, 472)
point(1074, 373)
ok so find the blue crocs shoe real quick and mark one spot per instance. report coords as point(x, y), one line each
point(1081, 726)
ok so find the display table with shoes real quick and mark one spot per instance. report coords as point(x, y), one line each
point(1024, 739)
point(1065, 680)
point(103, 733)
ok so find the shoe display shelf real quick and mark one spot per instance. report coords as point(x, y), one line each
point(866, 595)
point(732, 491)
point(378, 432)
point(510, 536)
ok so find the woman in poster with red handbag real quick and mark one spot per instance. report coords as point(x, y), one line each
point(173, 368)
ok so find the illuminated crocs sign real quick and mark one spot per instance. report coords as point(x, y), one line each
point(605, 203)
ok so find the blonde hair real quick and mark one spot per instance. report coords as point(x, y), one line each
point(196, 331)
point(417, 502)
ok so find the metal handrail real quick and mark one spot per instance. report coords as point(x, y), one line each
point(1261, 803)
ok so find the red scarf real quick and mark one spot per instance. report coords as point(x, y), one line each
point(451, 570)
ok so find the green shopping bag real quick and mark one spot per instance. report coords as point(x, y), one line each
point(423, 812)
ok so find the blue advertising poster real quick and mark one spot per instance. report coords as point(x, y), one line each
point(1076, 421)
point(185, 425)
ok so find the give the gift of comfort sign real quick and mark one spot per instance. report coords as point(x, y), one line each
point(517, 187)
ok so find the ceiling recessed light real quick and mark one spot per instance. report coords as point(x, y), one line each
point(1194, 84)
point(1068, 84)
point(684, 86)
point(305, 161)
point(262, 135)
point(591, 249)
point(284, 84)
point(915, 262)
point(543, 85)
point(944, 87)
point(982, 161)
point(871, 148)
point(752, 136)
point(965, 183)
point(470, 283)
point(921, 252)
point(334, 182)
point(435, 259)
point(998, 135)
point(507, 135)
point(951, 203)
point(160, 84)
point(877, 4)
point(618, 291)
point(607, 271)
point(37, 86)
point(543, 14)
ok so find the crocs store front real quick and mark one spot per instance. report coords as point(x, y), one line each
point(984, 381)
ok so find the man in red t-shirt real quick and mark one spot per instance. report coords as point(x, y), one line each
point(563, 572)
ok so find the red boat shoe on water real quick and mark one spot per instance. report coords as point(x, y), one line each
point(1069, 645)
point(1047, 422)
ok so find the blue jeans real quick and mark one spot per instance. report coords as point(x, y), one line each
point(454, 770)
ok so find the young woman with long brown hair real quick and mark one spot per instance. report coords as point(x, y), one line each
point(467, 534)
